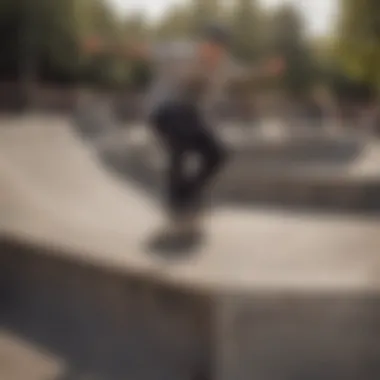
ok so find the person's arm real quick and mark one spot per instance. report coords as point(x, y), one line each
point(143, 52)
point(139, 51)
point(272, 68)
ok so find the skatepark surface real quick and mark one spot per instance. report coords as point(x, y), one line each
point(22, 360)
point(270, 295)
point(55, 192)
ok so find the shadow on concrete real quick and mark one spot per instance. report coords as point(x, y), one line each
point(170, 246)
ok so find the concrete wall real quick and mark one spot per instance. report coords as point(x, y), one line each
point(299, 336)
point(106, 325)
point(111, 326)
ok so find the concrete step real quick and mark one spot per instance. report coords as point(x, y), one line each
point(346, 187)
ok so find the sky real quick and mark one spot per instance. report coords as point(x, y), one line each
point(319, 14)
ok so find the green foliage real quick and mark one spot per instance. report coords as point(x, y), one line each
point(52, 35)
point(286, 38)
point(10, 17)
point(358, 46)
point(202, 12)
point(246, 29)
point(177, 22)
point(140, 75)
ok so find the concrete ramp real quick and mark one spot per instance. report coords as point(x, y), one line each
point(55, 169)
point(272, 296)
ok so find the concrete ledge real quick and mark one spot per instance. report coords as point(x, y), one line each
point(107, 324)
point(332, 191)
point(280, 337)
point(103, 322)
point(328, 186)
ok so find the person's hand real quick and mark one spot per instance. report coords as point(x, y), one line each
point(139, 50)
point(274, 67)
point(93, 45)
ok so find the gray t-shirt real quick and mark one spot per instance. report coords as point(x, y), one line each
point(172, 62)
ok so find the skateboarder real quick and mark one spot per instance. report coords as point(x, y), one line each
point(189, 80)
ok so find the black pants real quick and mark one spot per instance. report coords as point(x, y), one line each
point(183, 133)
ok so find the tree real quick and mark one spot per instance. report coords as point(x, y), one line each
point(187, 21)
point(246, 29)
point(10, 21)
point(105, 64)
point(287, 38)
point(177, 23)
point(359, 40)
point(57, 36)
point(203, 12)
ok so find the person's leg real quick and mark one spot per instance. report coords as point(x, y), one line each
point(167, 122)
point(183, 131)
point(212, 156)
point(176, 182)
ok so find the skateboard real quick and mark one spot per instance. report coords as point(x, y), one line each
point(175, 241)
